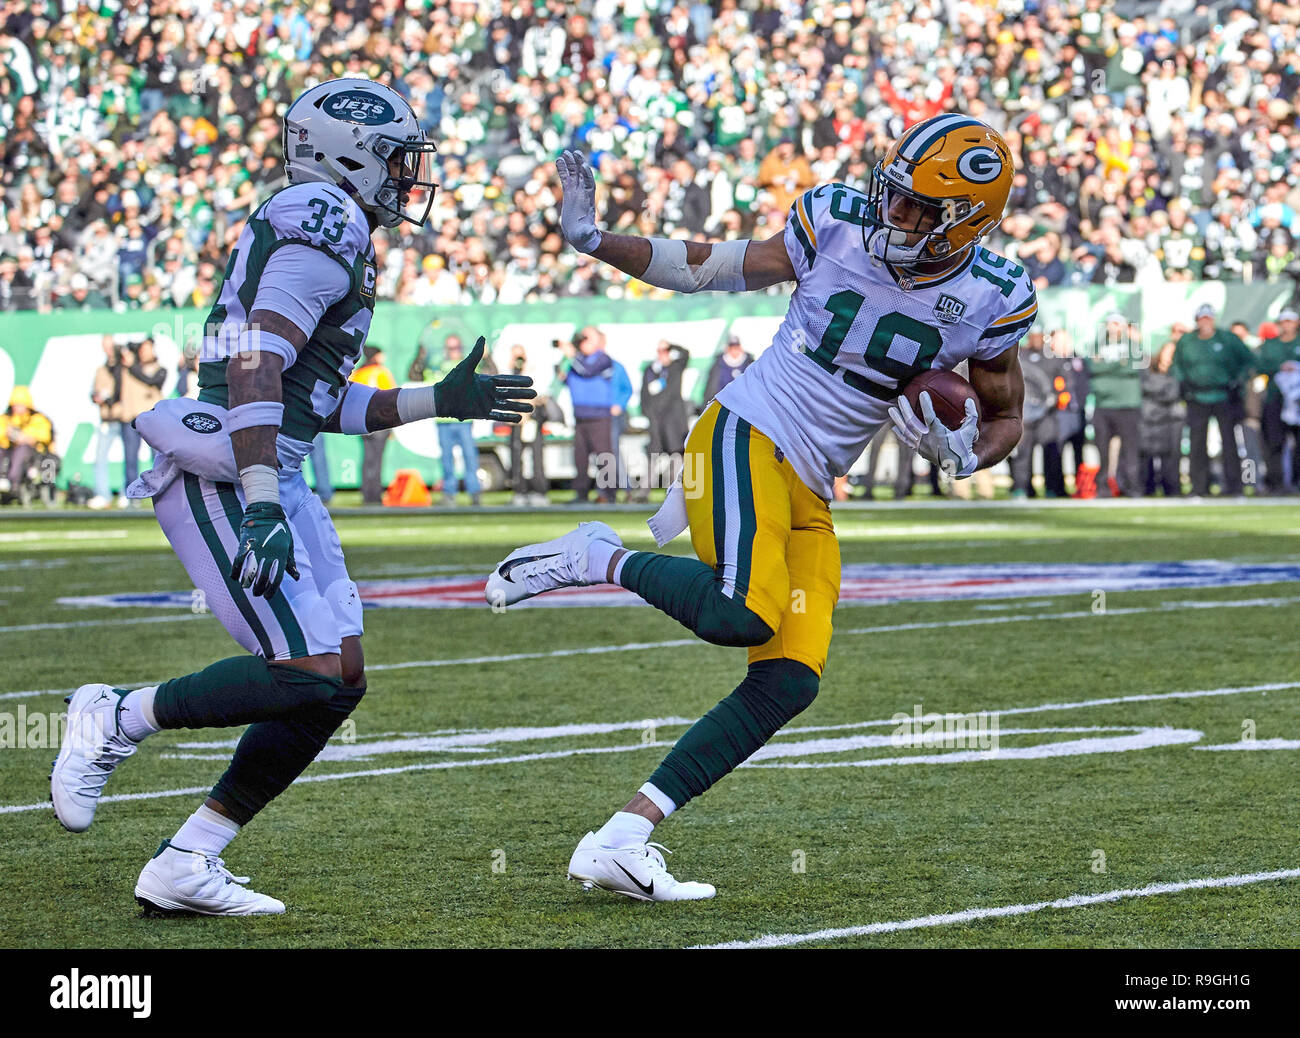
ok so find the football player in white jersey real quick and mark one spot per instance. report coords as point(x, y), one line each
point(888, 283)
point(285, 332)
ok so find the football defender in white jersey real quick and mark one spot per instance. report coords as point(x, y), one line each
point(286, 330)
point(888, 283)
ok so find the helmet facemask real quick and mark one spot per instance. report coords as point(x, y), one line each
point(405, 168)
point(408, 163)
point(930, 221)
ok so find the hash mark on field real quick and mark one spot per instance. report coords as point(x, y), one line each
point(1255, 744)
point(972, 915)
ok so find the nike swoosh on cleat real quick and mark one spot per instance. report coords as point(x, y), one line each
point(504, 569)
point(647, 891)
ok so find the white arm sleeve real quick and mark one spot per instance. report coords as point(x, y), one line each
point(723, 271)
point(299, 283)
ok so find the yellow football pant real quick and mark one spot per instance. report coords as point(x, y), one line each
point(768, 536)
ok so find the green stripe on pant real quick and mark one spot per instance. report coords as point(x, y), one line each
point(719, 488)
point(194, 495)
point(280, 607)
point(748, 517)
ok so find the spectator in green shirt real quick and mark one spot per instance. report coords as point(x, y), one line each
point(1116, 369)
point(1211, 365)
point(1277, 354)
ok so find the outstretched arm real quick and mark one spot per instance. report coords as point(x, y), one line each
point(462, 394)
point(733, 266)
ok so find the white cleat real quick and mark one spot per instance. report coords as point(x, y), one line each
point(177, 880)
point(93, 746)
point(638, 872)
point(535, 568)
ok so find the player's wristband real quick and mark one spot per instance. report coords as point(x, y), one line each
point(352, 412)
point(254, 413)
point(261, 484)
point(416, 403)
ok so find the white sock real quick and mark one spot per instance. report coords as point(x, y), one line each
point(206, 831)
point(598, 556)
point(135, 714)
point(625, 829)
point(658, 797)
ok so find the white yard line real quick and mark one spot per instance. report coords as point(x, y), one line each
point(73, 624)
point(972, 915)
point(8, 809)
point(484, 736)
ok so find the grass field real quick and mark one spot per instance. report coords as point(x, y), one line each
point(488, 744)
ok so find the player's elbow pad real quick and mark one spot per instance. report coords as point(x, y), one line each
point(722, 271)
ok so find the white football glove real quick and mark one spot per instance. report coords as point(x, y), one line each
point(578, 209)
point(950, 449)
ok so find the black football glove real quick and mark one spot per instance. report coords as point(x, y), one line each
point(464, 394)
point(265, 552)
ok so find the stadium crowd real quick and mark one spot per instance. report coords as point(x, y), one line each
point(1155, 141)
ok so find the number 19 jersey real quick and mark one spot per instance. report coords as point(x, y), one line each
point(858, 329)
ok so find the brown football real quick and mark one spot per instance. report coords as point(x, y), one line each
point(948, 393)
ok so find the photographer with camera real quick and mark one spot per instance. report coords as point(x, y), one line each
point(106, 393)
point(142, 379)
point(532, 489)
point(665, 410)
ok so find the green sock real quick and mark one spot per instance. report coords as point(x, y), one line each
point(773, 692)
point(691, 593)
point(238, 691)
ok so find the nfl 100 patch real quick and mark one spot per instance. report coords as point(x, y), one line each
point(949, 309)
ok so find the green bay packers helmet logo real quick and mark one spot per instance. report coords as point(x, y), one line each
point(201, 423)
point(359, 106)
point(980, 165)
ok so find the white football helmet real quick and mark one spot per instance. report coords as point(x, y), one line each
point(364, 137)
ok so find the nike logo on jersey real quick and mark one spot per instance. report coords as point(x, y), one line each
point(102, 696)
point(647, 891)
point(504, 569)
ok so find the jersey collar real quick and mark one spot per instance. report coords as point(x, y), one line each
point(908, 281)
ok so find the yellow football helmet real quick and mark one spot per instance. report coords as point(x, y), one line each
point(957, 172)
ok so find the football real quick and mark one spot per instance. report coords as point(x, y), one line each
point(948, 393)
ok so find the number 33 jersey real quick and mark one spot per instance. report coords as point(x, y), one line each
point(305, 254)
point(858, 329)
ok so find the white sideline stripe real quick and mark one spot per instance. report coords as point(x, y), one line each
point(115, 622)
point(555, 754)
point(588, 650)
point(9, 809)
point(979, 621)
point(971, 915)
point(1140, 697)
point(930, 625)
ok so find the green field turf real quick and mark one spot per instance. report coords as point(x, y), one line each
point(464, 850)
